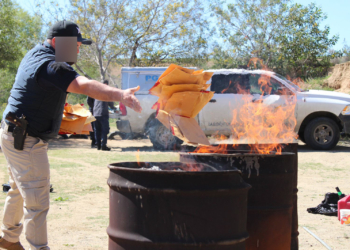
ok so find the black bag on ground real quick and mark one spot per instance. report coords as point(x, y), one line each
point(329, 205)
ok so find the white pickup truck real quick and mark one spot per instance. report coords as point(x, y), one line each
point(321, 115)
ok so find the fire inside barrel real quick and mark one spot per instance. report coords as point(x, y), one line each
point(165, 206)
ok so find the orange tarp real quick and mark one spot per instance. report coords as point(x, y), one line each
point(76, 120)
point(182, 95)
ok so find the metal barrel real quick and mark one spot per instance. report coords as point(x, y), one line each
point(176, 210)
point(271, 199)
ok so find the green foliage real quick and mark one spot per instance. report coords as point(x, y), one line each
point(7, 80)
point(168, 29)
point(77, 99)
point(317, 83)
point(19, 32)
point(287, 37)
point(61, 199)
point(228, 59)
point(304, 48)
point(10, 43)
point(2, 109)
point(147, 32)
point(106, 22)
point(346, 52)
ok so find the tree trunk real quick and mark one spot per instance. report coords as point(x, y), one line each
point(133, 55)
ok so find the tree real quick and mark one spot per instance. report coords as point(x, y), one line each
point(304, 49)
point(10, 44)
point(346, 51)
point(287, 37)
point(167, 29)
point(19, 32)
point(145, 32)
point(251, 27)
point(106, 22)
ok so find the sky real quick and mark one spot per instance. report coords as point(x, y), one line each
point(338, 12)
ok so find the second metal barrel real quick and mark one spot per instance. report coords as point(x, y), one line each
point(271, 198)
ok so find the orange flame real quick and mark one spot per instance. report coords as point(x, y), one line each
point(297, 81)
point(264, 123)
point(259, 123)
point(137, 154)
point(255, 60)
point(221, 148)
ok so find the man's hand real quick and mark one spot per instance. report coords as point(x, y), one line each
point(129, 99)
point(103, 92)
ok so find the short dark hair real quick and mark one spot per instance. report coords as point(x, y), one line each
point(105, 82)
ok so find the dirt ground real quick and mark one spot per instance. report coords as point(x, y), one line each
point(79, 211)
point(340, 78)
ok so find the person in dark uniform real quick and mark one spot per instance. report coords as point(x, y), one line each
point(39, 94)
point(102, 122)
point(90, 101)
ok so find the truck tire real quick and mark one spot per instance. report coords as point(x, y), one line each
point(322, 133)
point(301, 137)
point(162, 138)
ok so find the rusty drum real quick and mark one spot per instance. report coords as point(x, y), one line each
point(176, 206)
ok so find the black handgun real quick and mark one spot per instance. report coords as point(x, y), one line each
point(20, 131)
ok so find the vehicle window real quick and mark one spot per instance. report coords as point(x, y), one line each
point(254, 84)
point(264, 84)
point(277, 87)
point(229, 84)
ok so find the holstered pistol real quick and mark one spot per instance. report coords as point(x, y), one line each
point(20, 131)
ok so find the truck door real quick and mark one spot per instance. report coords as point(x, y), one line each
point(216, 116)
point(274, 94)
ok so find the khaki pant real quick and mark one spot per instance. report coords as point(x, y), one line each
point(29, 177)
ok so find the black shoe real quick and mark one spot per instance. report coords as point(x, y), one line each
point(98, 146)
point(105, 148)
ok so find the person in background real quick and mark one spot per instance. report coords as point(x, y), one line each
point(90, 101)
point(100, 112)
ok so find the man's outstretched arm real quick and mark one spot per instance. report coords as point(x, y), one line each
point(103, 92)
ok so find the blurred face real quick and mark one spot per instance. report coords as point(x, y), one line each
point(64, 47)
point(53, 44)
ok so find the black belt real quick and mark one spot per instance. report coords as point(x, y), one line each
point(11, 127)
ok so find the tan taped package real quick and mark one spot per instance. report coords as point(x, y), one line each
point(182, 94)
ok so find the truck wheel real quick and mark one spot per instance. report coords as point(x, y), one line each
point(322, 133)
point(162, 138)
point(301, 137)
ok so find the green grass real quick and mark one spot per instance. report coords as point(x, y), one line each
point(98, 158)
point(94, 189)
point(2, 109)
point(61, 199)
point(68, 245)
point(317, 83)
point(112, 125)
point(311, 166)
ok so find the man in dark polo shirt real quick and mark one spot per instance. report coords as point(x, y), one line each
point(39, 93)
